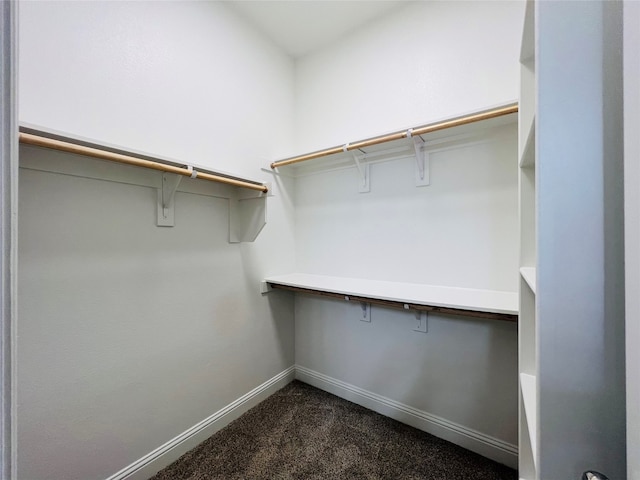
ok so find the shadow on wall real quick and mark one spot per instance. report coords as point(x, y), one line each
point(463, 370)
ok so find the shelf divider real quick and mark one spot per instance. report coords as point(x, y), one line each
point(528, 157)
point(528, 390)
point(529, 275)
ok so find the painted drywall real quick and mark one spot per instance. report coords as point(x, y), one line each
point(460, 231)
point(8, 230)
point(580, 291)
point(130, 334)
point(632, 231)
point(185, 80)
point(424, 62)
point(427, 61)
point(460, 371)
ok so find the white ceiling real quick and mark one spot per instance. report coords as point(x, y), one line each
point(301, 26)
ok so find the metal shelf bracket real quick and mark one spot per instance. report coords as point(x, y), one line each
point(366, 312)
point(421, 318)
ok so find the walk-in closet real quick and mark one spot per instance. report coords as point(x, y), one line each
point(414, 206)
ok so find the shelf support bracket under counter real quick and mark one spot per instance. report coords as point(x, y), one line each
point(421, 320)
point(366, 312)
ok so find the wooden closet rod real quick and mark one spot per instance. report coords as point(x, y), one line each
point(36, 140)
point(411, 132)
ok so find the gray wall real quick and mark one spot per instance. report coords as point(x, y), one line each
point(632, 230)
point(8, 228)
point(462, 370)
point(129, 334)
point(428, 61)
point(460, 231)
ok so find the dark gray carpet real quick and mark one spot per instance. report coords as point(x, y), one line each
point(301, 432)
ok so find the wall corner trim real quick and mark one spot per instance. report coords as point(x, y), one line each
point(167, 453)
point(485, 445)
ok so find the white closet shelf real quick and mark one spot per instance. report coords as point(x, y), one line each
point(528, 389)
point(491, 304)
point(529, 275)
point(528, 157)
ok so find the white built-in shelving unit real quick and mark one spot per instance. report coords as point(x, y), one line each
point(571, 406)
point(418, 142)
point(528, 409)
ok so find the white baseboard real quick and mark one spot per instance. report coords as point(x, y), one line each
point(465, 437)
point(153, 462)
point(164, 455)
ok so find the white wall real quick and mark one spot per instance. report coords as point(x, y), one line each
point(632, 231)
point(460, 231)
point(186, 80)
point(427, 61)
point(130, 334)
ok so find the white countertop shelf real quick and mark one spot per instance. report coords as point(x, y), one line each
point(474, 302)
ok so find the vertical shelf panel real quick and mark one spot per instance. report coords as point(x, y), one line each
point(527, 326)
point(527, 184)
point(527, 47)
point(526, 466)
point(527, 155)
point(529, 275)
point(527, 330)
point(526, 112)
point(528, 391)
